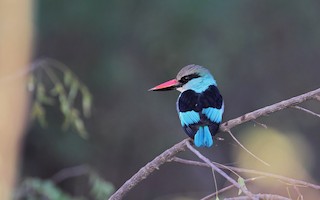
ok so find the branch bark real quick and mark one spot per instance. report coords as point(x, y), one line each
point(167, 155)
point(269, 109)
point(211, 196)
point(250, 171)
point(222, 173)
point(149, 168)
point(260, 196)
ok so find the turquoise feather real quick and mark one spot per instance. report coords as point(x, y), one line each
point(199, 85)
point(214, 114)
point(203, 137)
point(190, 117)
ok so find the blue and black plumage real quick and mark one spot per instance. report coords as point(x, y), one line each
point(200, 105)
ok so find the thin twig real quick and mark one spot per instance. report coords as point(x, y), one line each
point(201, 164)
point(306, 110)
point(215, 183)
point(288, 191)
point(260, 196)
point(300, 196)
point(249, 152)
point(260, 124)
point(250, 171)
point(70, 172)
point(210, 196)
point(19, 73)
point(189, 162)
point(222, 173)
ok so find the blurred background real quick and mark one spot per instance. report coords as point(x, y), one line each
point(260, 52)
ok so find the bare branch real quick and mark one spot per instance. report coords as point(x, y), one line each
point(210, 196)
point(222, 173)
point(260, 196)
point(70, 172)
point(215, 182)
point(269, 109)
point(300, 196)
point(148, 169)
point(167, 155)
point(250, 171)
point(306, 110)
point(249, 152)
point(189, 162)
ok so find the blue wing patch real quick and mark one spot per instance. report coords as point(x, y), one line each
point(200, 114)
point(214, 114)
point(190, 117)
point(203, 137)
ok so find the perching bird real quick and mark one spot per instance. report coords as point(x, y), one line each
point(200, 105)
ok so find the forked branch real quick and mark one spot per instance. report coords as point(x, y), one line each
point(167, 155)
point(270, 109)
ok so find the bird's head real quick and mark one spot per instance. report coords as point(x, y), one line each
point(191, 77)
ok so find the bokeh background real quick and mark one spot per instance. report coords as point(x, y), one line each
point(260, 52)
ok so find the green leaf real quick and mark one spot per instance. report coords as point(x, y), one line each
point(86, 101)
point(242, 184)
point(41, 95)
point(39, 113)
point(100, 188)
point(64, 105)
point(66, 91)
point(57, 89)
point(69, 118)
point(74, 87)
point(67, 78)
point(67, 122)
point(79, 125)
point(42, 189)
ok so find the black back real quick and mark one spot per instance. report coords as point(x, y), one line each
point(190, 100)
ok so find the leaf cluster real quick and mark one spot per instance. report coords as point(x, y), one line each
point(54, 82)
point(35, 188)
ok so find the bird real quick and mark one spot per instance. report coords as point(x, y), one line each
point(200, 105)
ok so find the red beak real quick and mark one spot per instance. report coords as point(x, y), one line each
point(169, 85)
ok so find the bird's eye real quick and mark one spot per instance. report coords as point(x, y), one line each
point(187, 78)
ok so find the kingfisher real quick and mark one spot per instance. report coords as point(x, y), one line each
point(200, 105)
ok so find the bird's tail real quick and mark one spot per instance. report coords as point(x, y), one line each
point(203, 137)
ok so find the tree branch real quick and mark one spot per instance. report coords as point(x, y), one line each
point(249, 152)
point(210, 196)
point(269, 109)
point(149, 168)
point(222, 173)
point(167, 155)
point(306, 110)
point(249, 171)
point(260, 196)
